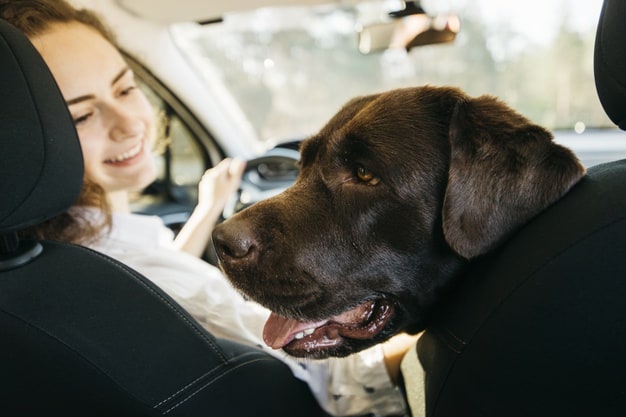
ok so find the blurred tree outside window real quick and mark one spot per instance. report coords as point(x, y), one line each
point(290, 69)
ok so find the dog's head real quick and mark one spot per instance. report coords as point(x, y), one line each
point(395, 195)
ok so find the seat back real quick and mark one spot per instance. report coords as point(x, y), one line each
point(81, 333)
point(538, 327)
point(609, 62)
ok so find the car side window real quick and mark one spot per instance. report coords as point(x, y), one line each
point(183, 154)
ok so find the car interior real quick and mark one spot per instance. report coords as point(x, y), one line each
point(543, 70)
point(537, 328)
point(81, 333)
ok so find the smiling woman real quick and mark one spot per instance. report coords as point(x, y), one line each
point(115, 121)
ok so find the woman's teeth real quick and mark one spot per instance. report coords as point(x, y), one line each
point(126, 155)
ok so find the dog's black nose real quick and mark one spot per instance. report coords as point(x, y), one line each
point(233, 241)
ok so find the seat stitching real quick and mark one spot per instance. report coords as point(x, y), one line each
point(135, 275)
point(211, 382)
point(202, 377)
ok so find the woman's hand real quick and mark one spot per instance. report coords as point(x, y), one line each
point(215, 187)
point(218, 184)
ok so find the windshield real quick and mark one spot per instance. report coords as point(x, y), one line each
point(290, 69)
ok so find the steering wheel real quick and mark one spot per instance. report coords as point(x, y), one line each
point(264, 177)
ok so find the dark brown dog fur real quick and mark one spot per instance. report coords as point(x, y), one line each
point(395, 195)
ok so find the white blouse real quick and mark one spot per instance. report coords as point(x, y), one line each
point(357, 384)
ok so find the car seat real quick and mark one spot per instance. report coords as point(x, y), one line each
point(82, 334)
point(538, 327)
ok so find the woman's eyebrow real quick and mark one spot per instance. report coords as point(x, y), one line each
point(75, 100)
point(120, 75)
point(79, 99)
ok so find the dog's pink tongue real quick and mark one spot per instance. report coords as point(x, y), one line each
point(279, 330)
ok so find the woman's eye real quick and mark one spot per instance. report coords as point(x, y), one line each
point(128, 90)
point(82, 118)
point(366, 176)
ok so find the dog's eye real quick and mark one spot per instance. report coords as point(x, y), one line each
point(366, 176)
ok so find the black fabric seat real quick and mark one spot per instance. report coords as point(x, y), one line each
point(82, 334)
point(538, 328)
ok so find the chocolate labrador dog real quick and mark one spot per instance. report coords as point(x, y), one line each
point(396, 194)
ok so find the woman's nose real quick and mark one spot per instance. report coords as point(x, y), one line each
point(124, 125)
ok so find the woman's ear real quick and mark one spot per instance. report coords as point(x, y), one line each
point(503, 171)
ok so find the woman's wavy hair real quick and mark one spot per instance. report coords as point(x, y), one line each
point(34, 17)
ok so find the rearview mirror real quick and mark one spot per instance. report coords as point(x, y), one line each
point(407, 30)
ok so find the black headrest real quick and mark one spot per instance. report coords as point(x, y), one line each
point(41, 166)
point(610, 60)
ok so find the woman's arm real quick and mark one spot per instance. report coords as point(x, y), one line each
point(215, 187)
point(394, 350)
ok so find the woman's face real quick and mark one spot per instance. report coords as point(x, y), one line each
point(114, 120)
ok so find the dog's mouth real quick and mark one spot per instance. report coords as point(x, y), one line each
point(312, 338)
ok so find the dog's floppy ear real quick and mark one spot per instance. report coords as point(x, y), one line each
point(503, 171)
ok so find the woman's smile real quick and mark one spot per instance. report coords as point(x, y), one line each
point(126, 157)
